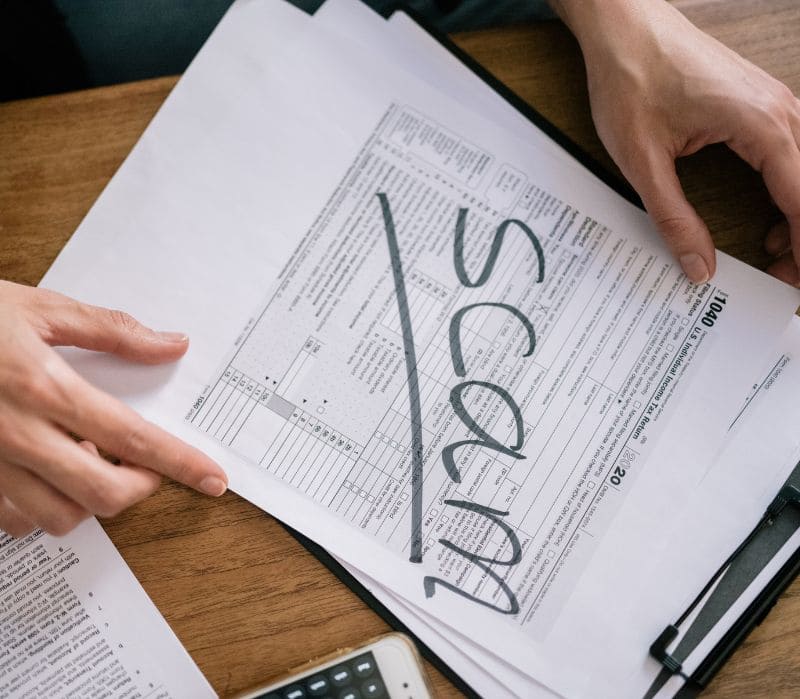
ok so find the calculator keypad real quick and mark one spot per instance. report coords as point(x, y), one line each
point(356, 678)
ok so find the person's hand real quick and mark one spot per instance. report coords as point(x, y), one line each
point(47, 479)
point(660, 88)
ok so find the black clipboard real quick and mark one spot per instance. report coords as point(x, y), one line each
point(756, 611)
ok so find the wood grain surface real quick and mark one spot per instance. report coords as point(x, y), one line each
point(245, 599)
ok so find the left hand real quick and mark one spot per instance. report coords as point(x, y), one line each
point(48, 481)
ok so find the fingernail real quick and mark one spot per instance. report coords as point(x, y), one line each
point(778, 240)
point(173, 337)
point(211, 485)
point(694, 267)
point(775, 246)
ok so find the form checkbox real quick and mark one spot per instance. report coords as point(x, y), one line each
point(445, 519)
point(670, 348)
point(551, 554)
point(590, 485)
point(433, 513)
point(404, 496)
point(321, 409)
point(684, 321)
point(394, 444)
point(637, 404)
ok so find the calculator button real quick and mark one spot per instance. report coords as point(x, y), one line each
point(317, 685)
point(364, 667)
point(373, 689)
point(294, 692)
point(350, 694)
point(340, 675)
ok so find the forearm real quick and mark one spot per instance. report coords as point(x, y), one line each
point(576, 14)
point(615, 24)
point(584, 16)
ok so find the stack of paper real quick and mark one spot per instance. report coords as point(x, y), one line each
point(429, 339)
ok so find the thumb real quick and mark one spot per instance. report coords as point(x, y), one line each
point(69, 322)
point(680, 226)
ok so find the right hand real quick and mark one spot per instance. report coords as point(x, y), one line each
point(661, 89)
point(47, 479)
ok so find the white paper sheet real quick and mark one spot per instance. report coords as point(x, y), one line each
point(763, 450)
point(402, 40)
point(724, 509)
point(483, 671)
point(74, 622)
point(267, 139)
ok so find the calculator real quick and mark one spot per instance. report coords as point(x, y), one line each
point(387, 667)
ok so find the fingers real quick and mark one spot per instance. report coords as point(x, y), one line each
point(48, 480)
point(77, 472)
point(126, 485)
point(777, 240)
point(12, 522)
point(64, 321)
point(771, 144)
point(121, 431)
point(51, 393)
point(783, 239)
point(96, 485)
point(795, 121)
point(57, 502)
point(685, 233)
point(785, 269)
point(781, 172)
point(38, 502)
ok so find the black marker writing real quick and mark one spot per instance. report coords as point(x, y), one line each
point(484, 563)
point(455, 332)
point(494, 250)
point(483, 438)
point(415, 410)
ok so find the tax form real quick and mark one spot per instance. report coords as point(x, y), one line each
point(416, 338)
point(719, 515)
point(74, 622)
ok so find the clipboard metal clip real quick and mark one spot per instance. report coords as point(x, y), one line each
point(788, 495)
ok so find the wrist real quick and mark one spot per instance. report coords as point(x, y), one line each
point(607, 22)
point(579, 15)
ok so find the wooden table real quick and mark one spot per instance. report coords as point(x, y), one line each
point(244, 598)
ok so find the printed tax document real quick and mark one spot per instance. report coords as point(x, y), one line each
point(418, 339)
point(74, 622)
point(769, 438)
point(722, 512)
point(401, 40)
